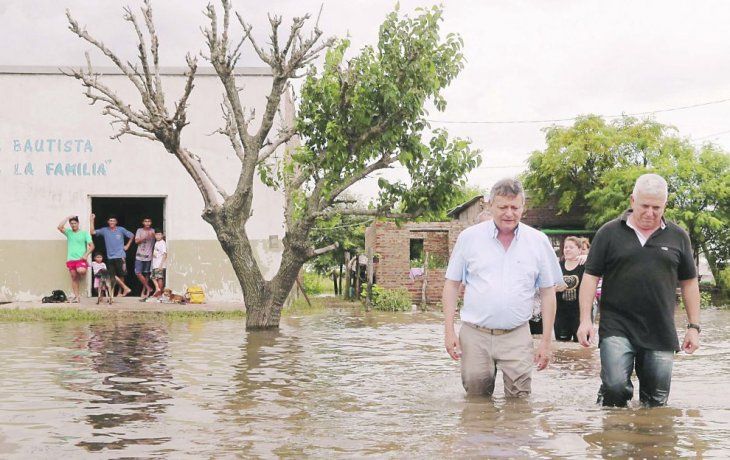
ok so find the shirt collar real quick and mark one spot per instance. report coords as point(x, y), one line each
point(625, 220)
point(495, 231)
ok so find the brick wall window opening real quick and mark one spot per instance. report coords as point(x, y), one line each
point(416, 252)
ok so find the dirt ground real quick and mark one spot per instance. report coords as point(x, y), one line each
point(129, 304)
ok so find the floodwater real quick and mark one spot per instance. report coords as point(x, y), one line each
point(343, 384)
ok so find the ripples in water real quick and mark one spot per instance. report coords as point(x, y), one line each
point(344, 384)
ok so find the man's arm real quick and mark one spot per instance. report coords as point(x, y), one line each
point(89, 249)
point(92, 230)
point(691, 295)
point(62, 226)
point(449, 299)
point(548, 305)
point(588, 286)
point(129, 235)
point(143, 235)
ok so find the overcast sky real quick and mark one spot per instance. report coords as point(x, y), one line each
point(527, 60)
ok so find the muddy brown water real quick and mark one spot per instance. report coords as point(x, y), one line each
point(342, 384)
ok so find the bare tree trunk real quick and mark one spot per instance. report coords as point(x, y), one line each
point(424, 286)
point(369, 296)
point(347, 275)
point(263, 299)
point(304, 293)
point(339, 282)
point(357, 277)
point(712, 263)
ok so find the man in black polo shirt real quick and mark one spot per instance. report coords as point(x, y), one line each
point(641, 257)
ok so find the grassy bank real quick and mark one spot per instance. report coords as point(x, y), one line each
point(58, 314)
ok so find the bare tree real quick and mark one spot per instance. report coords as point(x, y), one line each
point(312, 183)
point(227, 213)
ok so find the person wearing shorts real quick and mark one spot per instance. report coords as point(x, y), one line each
point(115, 250)
point(159, 263)
point(145, 239)
point(78, 249)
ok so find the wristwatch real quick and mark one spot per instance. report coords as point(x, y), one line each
point(694, 326)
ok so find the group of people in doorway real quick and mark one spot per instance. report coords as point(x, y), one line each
point(150, 262)
point(640, 257)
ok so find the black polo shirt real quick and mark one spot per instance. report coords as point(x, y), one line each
point(638, 296)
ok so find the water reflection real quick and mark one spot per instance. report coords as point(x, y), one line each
point(343, 384)
point(637, 433)
point(134, 379)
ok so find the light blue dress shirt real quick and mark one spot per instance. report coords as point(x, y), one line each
point(500, 285)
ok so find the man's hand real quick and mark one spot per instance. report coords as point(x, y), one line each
point(543, 355)
point(452, 344)
point(691, 341)
point(126, 247)
point(586, 333)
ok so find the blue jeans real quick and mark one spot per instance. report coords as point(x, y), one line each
point(653, 368)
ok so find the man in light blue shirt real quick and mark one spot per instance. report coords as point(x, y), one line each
point(115, 250)
point(501, 262)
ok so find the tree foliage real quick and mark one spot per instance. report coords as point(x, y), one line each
point(368, 113)
point(357, 116)
point(597, 163)
point(577, 156)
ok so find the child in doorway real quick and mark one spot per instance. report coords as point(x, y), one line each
point(97, 265)
point(159, 263)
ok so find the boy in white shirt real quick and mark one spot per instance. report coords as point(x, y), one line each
point(159, 263)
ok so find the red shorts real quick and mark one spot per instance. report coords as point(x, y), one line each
point(72, 265)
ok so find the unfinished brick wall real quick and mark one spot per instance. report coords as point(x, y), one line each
point(392, 244)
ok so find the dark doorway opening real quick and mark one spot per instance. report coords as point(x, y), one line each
point(129, 212)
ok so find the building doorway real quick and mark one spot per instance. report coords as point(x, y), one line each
point(129, 212)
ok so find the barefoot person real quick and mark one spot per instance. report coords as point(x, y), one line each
point(115, 250)
point(159, 263)
point(642, 258)
point(145, 239)
point(78, 249)
point(501, 262)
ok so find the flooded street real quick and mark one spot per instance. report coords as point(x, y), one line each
point(341, 384)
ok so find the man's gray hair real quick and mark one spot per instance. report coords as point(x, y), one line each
point(507, 187)
point(652, 185)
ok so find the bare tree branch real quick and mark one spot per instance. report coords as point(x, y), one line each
point(230, 129)
point(382, 163)
point(367, 212)
point(319, 251)
point(159, 95)
point(180, 115)
point(221, 191)
point(284, 136)
point(142, 47)
point(260, 52)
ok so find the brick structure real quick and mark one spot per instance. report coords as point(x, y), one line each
point(392, 243)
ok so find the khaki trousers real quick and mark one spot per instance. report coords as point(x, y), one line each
point(485, 350)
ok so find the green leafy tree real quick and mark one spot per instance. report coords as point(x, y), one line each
point(349, 232)
point(356, 117)
point(577, 156)
point(699, 190)
point(461, 195)
point(596, 164)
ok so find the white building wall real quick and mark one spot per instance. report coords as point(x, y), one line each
point(56, 152)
